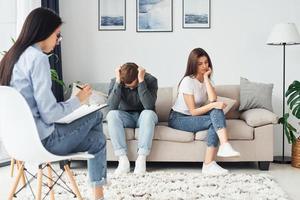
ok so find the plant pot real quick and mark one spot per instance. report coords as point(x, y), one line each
point(296, 154)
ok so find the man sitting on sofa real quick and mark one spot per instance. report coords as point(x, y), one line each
point(131, 100)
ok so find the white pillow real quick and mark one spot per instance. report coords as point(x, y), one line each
point(229, 102)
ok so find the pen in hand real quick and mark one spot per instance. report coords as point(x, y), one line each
point(84, 93)
point(79, 87)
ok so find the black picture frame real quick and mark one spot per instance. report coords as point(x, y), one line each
point(168, 28)
point(111, 23)
point(196, 18)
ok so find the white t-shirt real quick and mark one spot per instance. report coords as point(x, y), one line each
point(191, 86)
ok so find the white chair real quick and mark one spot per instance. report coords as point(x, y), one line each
point(21, 140)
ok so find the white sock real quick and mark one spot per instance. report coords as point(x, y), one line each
point(123, 166)
point(140, 165)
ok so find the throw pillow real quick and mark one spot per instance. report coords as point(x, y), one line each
point(255, 95)
point(229, 102)
point(259, 117)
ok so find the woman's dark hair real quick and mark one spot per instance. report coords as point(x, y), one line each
point(129, 73)
point(38, 26)
point(192, 64)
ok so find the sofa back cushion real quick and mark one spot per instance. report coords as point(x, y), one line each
point(233, 92)
point(164, 103)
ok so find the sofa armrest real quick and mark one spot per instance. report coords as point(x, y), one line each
point(259, 117)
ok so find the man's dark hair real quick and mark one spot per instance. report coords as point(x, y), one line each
point(129, 73)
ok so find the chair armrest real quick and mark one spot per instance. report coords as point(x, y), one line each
point(259, 117)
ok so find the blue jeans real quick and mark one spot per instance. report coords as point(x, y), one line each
point(117, 120)
point(84, 134)
point(213, 121)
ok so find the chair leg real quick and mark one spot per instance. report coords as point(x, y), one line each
point(19, 163)
point(50, 183)
point(12, 167)
point(73, 182)
point(16, 182)
point(39, 183)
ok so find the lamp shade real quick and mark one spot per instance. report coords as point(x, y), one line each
point(284, 33)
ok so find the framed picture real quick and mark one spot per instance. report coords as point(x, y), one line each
point(154, 15)
point(196, 14)
point(111, 15)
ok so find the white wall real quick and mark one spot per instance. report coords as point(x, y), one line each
point(7, 23)
point(12, 15)
point(236, 42)
point(7, 30)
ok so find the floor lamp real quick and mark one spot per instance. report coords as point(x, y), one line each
point(283, 34)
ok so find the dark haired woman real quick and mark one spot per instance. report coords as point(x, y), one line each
point(191, 113)
point(26, 68)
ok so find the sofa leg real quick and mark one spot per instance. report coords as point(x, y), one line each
point(264, 165)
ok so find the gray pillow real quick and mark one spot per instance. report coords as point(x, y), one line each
point(255, 95)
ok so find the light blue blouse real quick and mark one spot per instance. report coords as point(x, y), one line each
point(31, 77)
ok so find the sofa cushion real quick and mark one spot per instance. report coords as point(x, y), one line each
point(164, 103)
point(237, 130)
point(255, 95)
point(166, 133)
point(259, 117)
point(233, 92)
point(128, 131)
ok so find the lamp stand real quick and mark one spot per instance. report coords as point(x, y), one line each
point(283, 159)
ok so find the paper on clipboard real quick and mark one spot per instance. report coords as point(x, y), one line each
point(80, 112)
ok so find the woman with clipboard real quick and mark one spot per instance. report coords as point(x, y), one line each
point(26, 68)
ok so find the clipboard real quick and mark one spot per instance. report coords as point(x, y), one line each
point(80, 112)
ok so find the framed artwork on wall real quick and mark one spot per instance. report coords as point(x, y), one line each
point(196, 13)
point(154, 15)
point(111, 15)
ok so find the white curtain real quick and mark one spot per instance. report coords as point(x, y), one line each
point(23, 9)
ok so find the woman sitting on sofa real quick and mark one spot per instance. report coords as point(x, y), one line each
point(191, 113)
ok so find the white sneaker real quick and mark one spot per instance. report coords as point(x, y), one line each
point(226, 150)
point(123, 166)
point(140, 165)
point(213, 169)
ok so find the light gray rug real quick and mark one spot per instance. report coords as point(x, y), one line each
point(163, 185)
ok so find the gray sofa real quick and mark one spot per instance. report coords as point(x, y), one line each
point(250, 132)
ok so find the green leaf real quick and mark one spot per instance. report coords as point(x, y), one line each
point(296, 111)
point(280, 120)
point(292, 103)
point(291, 97)
point(286, 116)
point(55, 77)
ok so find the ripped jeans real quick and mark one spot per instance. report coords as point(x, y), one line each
point(213, 121)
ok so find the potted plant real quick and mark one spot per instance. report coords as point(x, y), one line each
point(293, 101)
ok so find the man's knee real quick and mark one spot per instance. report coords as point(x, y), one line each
point(112, 115)
point(148, 115)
